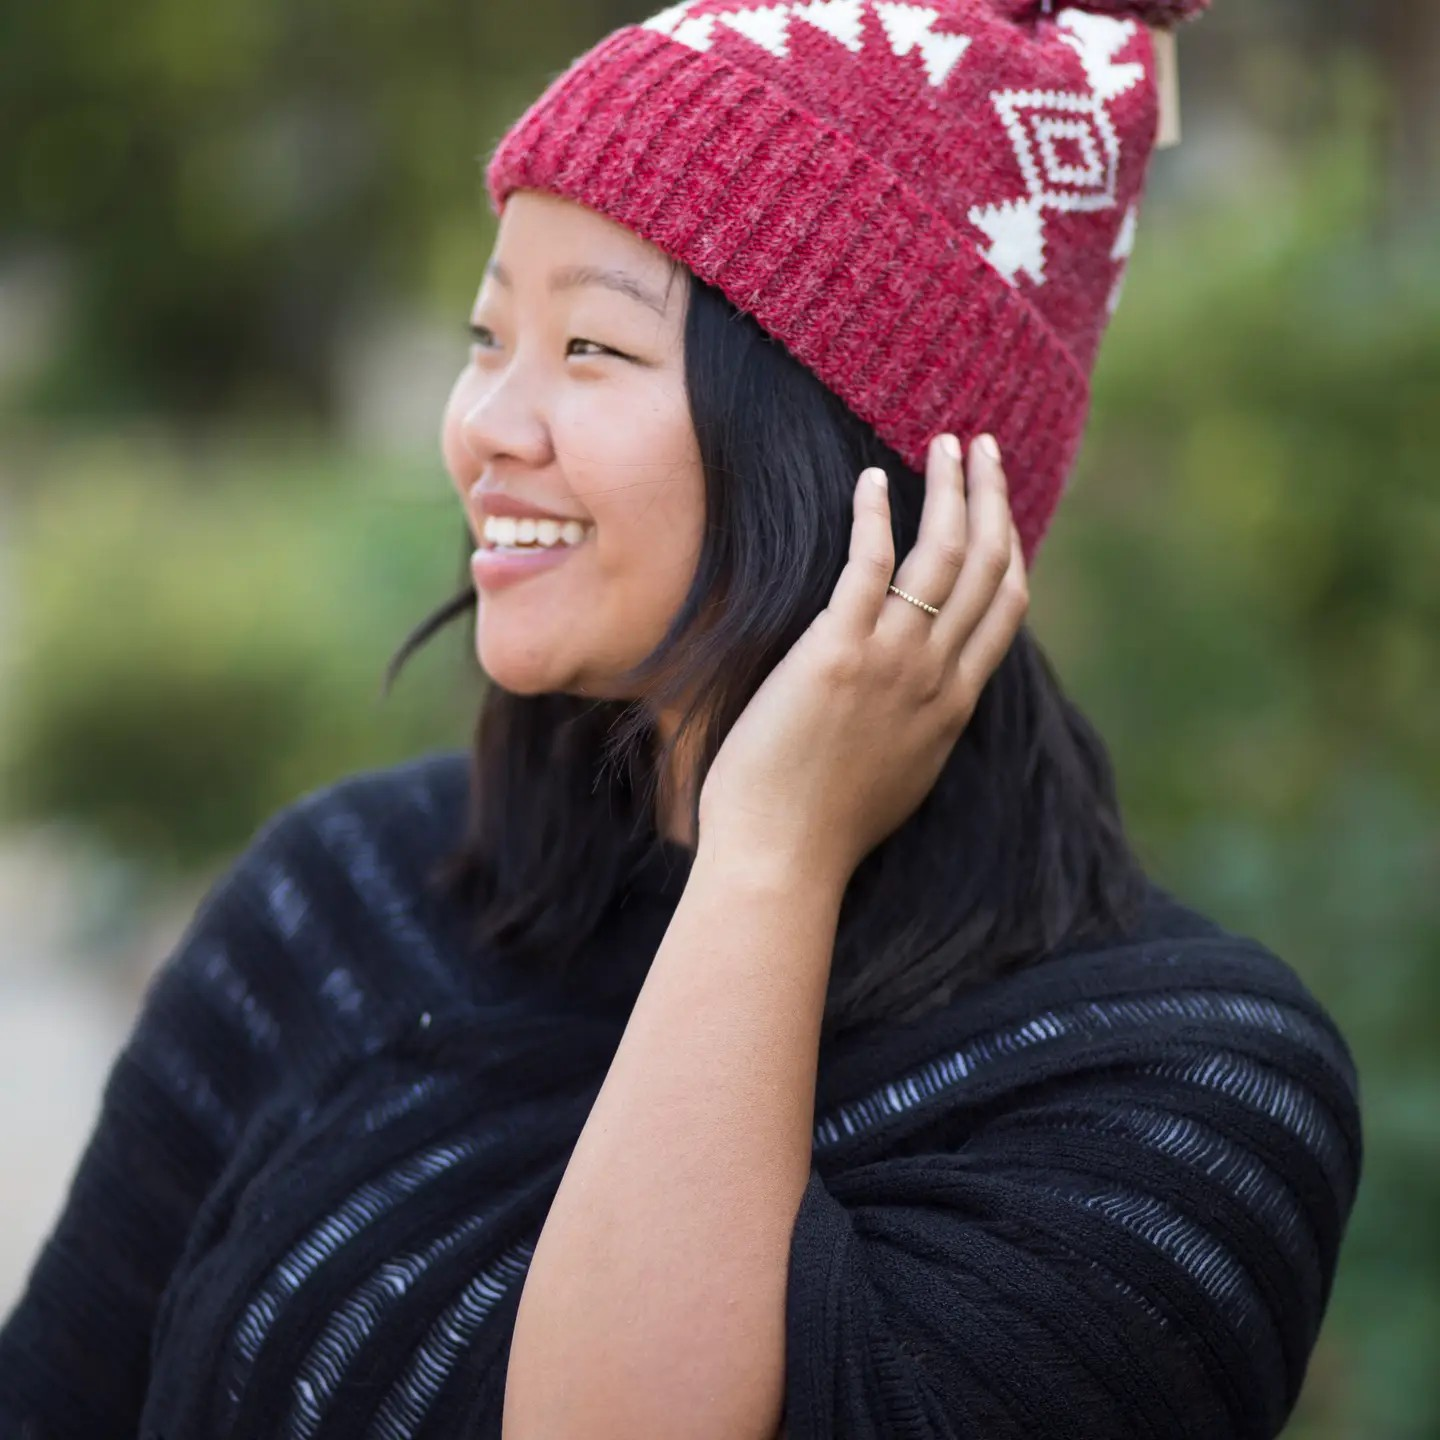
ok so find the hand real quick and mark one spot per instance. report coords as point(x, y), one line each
point(848, 734)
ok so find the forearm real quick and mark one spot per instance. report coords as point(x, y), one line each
point(655, 1300)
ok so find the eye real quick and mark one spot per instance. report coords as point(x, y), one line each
point(603, 349)
point(485, 337)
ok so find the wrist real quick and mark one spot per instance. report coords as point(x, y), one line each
point(783, 864)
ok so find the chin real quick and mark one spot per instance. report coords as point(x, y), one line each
point(520, 671)
point(524, 669)
point(520, 682)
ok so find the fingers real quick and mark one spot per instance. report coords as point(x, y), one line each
point(929, 571)
point(987, 551)
point(860, 593)
point(990, 641)
point(967, 551)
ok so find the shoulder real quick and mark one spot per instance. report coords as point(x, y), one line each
point(1180, 1007)
point(1177, 967)
point(1209, 1005)
point(1190, 967)
point(365, 840)
point(420, 802)
point(320, 931)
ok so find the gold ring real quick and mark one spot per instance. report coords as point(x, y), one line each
point(930, 608)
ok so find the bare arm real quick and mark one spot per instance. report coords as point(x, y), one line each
point(655, 1300)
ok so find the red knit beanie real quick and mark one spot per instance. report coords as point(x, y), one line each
point(930, 207)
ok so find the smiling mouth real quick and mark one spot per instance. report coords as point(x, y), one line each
point(530, 537)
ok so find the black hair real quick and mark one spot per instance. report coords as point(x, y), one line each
point(1018, 850)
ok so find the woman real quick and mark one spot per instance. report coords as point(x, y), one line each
point(768, 1028)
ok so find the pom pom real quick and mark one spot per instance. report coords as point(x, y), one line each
point(1161, 13)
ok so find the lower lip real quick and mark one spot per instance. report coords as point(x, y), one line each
point(495, 569)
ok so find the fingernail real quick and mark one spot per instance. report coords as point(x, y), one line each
point(879, 477)
point(990, 446)
point(951, 446)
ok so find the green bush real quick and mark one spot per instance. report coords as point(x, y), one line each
point(197, 644)
point(1242, 591)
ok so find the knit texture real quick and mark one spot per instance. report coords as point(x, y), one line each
point(932, 208)
point(1099, 1198)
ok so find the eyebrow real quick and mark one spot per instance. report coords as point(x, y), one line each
point(571, 277)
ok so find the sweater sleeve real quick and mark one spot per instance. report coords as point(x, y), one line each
point(1128, 1228)
point(219, 1024)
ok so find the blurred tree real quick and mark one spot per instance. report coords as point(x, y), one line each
point(231, 184)
point(1405, 39)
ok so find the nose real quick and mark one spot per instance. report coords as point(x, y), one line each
point(502, 422)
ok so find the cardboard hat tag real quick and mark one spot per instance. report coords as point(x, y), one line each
point(1167, 85)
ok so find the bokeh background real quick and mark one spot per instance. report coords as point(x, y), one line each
point(238, 246)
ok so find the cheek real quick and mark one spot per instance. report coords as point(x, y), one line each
point(645, 491)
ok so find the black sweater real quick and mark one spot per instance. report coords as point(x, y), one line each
point(1098, 1198)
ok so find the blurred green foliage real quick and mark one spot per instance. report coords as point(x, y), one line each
point(1240, 587)
point(231, 183)
point(192, 656)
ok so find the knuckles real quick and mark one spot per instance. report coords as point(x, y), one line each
point(934, 683)
point(952, 552)
point(841, 664)
point(994, 560)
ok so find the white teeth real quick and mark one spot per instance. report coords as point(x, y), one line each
point(511, 532)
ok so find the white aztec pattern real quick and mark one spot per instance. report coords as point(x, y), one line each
point(1124, 244)
point(1065, 144)
point(907, 28)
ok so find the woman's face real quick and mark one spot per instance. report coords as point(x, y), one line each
point(574, 403)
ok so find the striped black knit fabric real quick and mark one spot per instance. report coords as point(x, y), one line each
point(1100, 1198)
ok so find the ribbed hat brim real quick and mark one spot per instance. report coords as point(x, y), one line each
point(864, 283)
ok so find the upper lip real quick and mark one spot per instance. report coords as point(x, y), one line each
point(495, 502)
